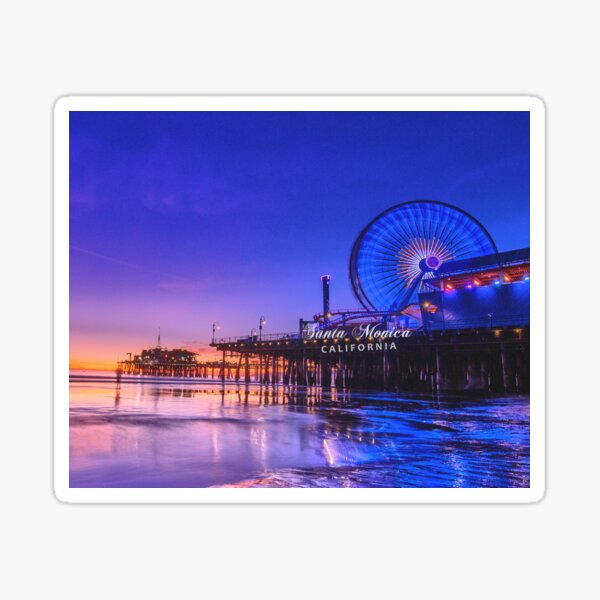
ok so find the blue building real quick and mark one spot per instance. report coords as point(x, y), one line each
point(484, 291)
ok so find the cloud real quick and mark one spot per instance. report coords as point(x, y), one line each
point(130, 265)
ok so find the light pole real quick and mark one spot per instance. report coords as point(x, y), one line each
point(215, 327)
point(262, 322)
point(253, 334)
point(490, 316)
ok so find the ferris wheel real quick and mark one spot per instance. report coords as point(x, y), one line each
point(400, 249)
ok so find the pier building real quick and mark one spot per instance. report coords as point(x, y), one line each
point(490, 290)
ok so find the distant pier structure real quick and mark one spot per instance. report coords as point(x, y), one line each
point(429, 274)
point(178, 362)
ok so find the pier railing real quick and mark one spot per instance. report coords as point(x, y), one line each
point(258, 338)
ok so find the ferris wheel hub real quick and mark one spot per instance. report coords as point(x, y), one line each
point(431, 263)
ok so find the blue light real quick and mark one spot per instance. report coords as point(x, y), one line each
point(497, 282)
point(526, 278)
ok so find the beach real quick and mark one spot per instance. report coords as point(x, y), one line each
point(181, 433)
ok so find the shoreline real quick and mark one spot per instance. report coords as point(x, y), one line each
point(468, 394)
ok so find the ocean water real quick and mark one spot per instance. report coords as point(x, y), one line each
point(144, 432)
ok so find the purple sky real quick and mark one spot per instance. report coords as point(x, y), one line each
point(182, 219)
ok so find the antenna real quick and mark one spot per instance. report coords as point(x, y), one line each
point(159, 337)
point(325, 279)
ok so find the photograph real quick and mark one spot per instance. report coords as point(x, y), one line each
point(317, 299)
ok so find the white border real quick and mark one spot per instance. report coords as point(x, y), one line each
point(296, 103)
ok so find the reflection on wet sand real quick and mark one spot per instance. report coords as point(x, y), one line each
point(177, 434)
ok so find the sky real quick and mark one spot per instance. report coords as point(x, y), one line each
point(181, 219)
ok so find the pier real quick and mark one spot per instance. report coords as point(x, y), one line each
point(179, 362)
point(207, 370)
point(491, 360)
point(466, 326)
